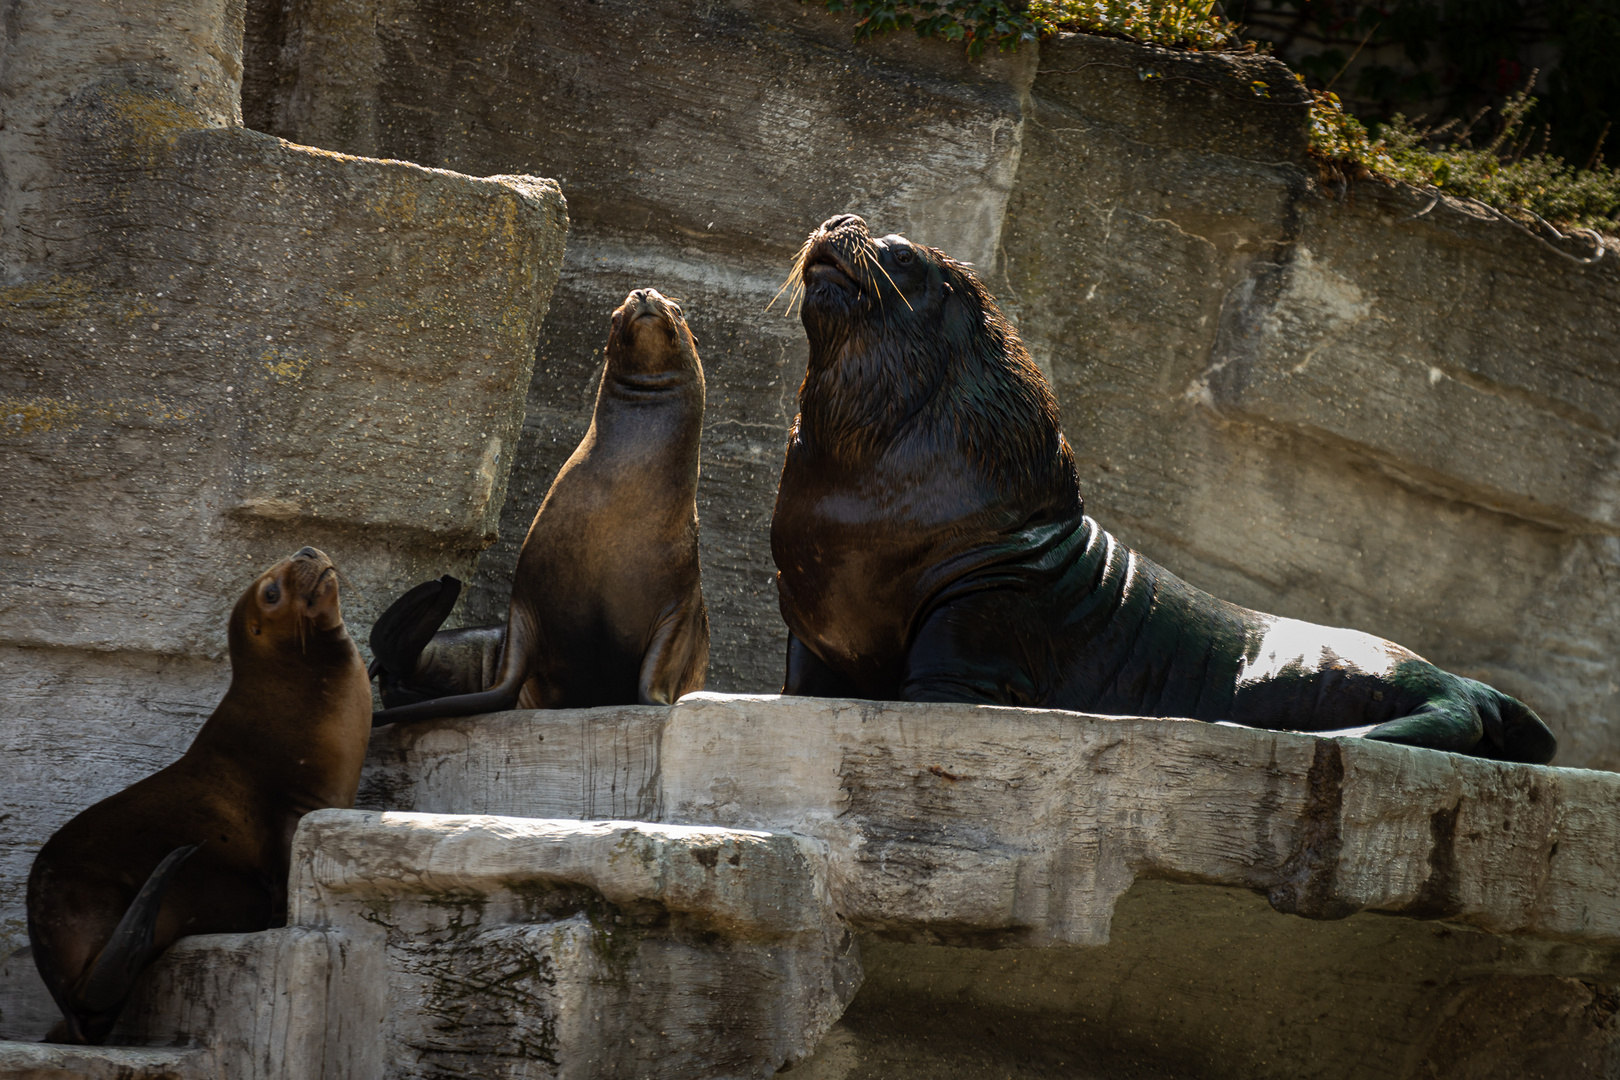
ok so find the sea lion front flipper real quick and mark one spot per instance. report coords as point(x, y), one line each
point(808, 675)
point(401, 633)
point(676, 660)
point(1433, 727)
point(1520, 735)
point(127, 953)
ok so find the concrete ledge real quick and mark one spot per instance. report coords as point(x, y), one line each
point(969, 824)
point(439, 945)
point(38, 1061)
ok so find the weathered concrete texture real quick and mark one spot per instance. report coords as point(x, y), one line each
point(698, 144)
point(434, 946)
point(1362, 408)
point(1025, 826)
point(1181, 852)
point(218, 347)
point(1199, 981)
point(1323, 404)
point(39, 1061)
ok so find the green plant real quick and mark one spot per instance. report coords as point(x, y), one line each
point(1188, 24)
point(974, 22)
point(1502, 173)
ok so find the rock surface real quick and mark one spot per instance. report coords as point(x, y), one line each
point(219, 347)
point(1034, 892)
point(698, 145)
point(975, 848)
point(1352, 407)
point(438, 945)
point(1025, 826)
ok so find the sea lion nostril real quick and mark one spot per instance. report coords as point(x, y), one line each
point(838, 221)
point(307, 553)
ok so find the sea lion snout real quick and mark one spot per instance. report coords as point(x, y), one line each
point(643, 303)
point(650, 337)
point(300, 590)
point(314, 578)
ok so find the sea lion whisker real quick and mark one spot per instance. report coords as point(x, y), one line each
point(873, 260)
point(795, 279)
point(348, 583)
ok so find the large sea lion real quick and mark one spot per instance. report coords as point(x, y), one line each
point(203, 846)
point(931, 543)
point(607, 601)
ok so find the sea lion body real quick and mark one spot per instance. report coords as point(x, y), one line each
point(288, 737)
point(607, 599)
point(931, 544)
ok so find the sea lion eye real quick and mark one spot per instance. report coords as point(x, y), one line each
point(904, 255)
point(272, 594)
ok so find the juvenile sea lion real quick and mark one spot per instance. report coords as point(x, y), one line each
point(203, 846)
point(931, 543)
point(607, 601)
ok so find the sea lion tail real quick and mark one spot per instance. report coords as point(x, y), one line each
point(511, 673)
point(130, 949)
point(1516, 733)
point(401, 633)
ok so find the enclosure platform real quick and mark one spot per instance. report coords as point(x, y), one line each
point(700, 891)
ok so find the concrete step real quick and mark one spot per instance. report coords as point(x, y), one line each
point(439, 945)
point(42, 1061)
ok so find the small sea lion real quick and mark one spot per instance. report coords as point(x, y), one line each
point(204, 845)
point(607, 600)
point(931, 543)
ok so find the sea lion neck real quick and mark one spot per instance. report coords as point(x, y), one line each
point(633, 386)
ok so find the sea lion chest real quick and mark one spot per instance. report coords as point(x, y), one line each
point(858, 550)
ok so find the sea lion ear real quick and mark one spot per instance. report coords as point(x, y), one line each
point(254, 629)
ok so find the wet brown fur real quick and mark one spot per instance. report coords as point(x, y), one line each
point(288, 737)
point(607, 600)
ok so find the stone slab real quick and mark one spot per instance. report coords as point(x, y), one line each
point(979, 824)
point(1042, 894)
point(427, 945)
point(35, 1061)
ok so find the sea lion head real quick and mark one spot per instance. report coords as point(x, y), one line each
point(852, 280)
point(903, 338)
point(290, 607)
point(649, 336)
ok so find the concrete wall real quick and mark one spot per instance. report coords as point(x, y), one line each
point(218, 347)
point(1341, 405)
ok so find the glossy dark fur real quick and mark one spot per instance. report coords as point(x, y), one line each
point(412, 662)
point(204, 845)
point(607, 601)
point(931, 543)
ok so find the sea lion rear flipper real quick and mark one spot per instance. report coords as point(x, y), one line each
point(132, 946)
point(512, 671)
point(401, 633)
